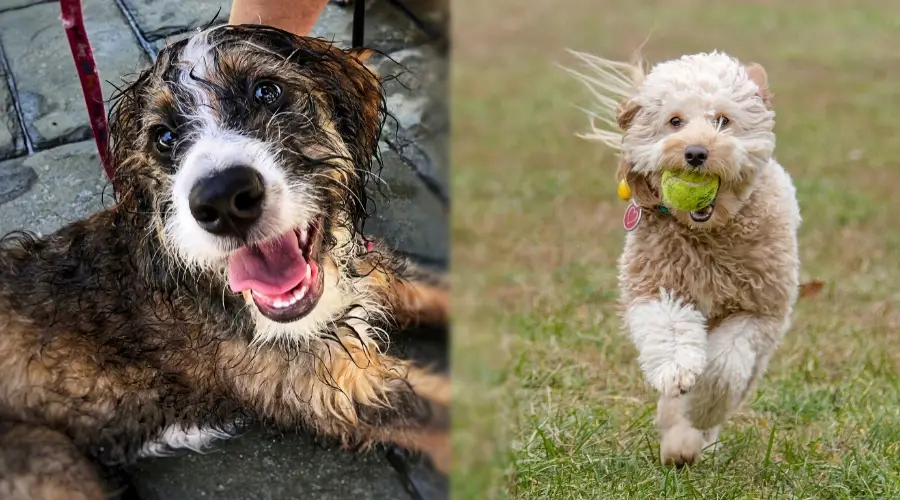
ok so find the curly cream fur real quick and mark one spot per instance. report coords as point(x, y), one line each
point(611, 83)
point(705, 303)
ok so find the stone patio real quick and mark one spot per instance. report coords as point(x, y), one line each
point(50, 175)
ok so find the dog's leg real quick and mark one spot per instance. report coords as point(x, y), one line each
point(394, 401)
point(415, 296)
point(346, 389)
point(39, 463)
point(738, 353)
point(680, 443)
point(417, 303)
point(413, 412)
point(421, 297)
point(670, 337)
point(404, 422)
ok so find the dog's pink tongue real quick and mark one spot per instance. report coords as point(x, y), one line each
point(271, 269)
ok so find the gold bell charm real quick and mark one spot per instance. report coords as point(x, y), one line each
point(624, 190)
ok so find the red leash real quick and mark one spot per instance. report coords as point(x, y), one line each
point(73, 22)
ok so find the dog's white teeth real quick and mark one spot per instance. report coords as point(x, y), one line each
point(304, 236)
point(302, 292)
point(308, 272)
point(286, 302)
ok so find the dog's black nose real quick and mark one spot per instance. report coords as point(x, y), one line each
point(696, 155)
point(228, 202)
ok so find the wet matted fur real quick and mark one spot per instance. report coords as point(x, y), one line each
point(174, 317)
point(706, 296)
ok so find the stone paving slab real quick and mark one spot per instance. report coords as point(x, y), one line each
point(386, 29)
point(46, 80)
point(406, 213)
point(268, 466)
point(68, 185)
point(15, 180)
point(16, 4)
point(10, 134)
point(434, 15)
point(416, 86)
point(158, 19)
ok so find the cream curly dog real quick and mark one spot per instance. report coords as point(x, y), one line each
point(706, 295)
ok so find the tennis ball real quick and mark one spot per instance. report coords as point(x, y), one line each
point(689, 191)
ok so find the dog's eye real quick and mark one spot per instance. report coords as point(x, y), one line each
point(164, 140)
point(675, 122)
point(722, 122)
point(267, 93)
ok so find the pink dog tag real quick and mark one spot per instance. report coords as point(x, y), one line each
point(632, 217)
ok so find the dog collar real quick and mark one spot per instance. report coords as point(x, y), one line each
point(634, 214)
point(368, 245)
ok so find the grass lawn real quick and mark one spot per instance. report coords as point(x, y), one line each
point(551, 402)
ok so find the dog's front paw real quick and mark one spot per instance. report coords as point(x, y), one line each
point(670, 336)
point(681, 445)
point(673, 378)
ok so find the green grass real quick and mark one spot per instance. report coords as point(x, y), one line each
point(550, 400)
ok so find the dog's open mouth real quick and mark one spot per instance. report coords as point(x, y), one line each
point(704, 214)
point(283, 275)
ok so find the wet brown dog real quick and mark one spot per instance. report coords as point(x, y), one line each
point(230, 282)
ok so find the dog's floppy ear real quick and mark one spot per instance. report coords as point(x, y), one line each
point(642, 193)
point(352, 87)
point(124, 133)
point(355, 91)
point(758, 76)
point(626, 112)
point(366, 111)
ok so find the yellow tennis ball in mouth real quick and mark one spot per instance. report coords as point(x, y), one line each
point(689, 191)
